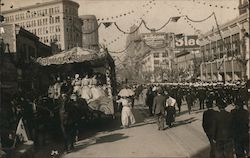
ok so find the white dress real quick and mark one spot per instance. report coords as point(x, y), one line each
point(127, 116)
point(85, 90)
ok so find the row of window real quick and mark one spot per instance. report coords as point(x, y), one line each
point(40, 22)
point(157, 55)
point(49, 39)
point(32, 14)
point(45, 30)
point(217, 49)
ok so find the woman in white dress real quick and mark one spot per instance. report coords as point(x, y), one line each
point(85, 90)
point(127, 116)
point(96, 91)
point(76, 83)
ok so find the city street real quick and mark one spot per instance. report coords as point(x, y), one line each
point(185, 139)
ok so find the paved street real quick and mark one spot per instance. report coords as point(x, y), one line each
point(186, 139)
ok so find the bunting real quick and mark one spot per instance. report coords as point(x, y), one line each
point(211, 5)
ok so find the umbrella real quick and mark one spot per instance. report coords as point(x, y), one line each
point(126, 92)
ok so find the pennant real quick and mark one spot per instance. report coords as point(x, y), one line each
point(175, 19)
point(21, 132)
point(107, 24)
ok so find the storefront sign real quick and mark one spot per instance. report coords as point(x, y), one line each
point(186, 42)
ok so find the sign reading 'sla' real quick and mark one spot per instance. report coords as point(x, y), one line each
point(186, 41)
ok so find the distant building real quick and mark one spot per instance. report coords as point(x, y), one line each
point(52, 21)
point(90, 37)
point(187, 56)
point(226, 56)
point(156, 53)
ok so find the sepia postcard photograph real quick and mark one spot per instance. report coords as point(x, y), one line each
point(124, 78)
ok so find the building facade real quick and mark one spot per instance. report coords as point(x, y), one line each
point(158, 54)
point(187, 56)
point(21, 48)
point(90, 37)
point(52, 21)
point(225, 52)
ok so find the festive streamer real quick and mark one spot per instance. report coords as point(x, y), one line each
point(121, 50)
point(158, 28)
point(199, 20)
point(216, 6)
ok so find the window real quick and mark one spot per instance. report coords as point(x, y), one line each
point(57, 19)
point(156, 62)
point(156, 55)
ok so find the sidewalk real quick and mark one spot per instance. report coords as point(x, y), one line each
point(185, 140)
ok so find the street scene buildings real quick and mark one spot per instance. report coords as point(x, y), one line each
point(149, 78)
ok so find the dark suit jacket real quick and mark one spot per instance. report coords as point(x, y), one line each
point(159, 104)
point(208, 122)
point(240, 118)
point(223, 126)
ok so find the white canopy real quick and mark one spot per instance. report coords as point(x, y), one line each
point(74, 55)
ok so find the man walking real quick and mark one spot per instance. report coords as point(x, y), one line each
point(223, 132)
point(159, 108)
point(149, 100)
point(240, 118)
point(208, 124)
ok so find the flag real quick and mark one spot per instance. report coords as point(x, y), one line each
point(175, 19)
point(21, 132)
point(107, 24)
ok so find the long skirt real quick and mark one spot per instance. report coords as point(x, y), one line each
point(127, 116)
point(170, 115)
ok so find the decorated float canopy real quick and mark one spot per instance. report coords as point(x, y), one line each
point(76, 55)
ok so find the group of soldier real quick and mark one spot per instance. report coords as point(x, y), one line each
point(227, 130)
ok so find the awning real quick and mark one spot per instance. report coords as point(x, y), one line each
point(74, 55)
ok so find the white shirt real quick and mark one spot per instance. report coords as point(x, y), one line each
point(170, 102)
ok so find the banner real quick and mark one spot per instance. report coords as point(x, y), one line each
point(187, 41)
point(21, 132)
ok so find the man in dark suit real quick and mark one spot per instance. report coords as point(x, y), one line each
point(240, 118)
point(159, 108)
point(223, 132)
point(208, 124)
point(149, 100)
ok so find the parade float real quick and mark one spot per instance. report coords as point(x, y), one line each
point(79, 60)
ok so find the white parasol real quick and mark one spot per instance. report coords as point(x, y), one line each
point(126, 92)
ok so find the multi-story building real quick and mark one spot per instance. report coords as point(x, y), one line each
point(51, 21)
point(21, 47)
point(157, 55)
point(225, 51)
point(90, 37)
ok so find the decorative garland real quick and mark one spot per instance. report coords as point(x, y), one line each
point(211, 5)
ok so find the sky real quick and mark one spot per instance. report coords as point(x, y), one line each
point(155, 13)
